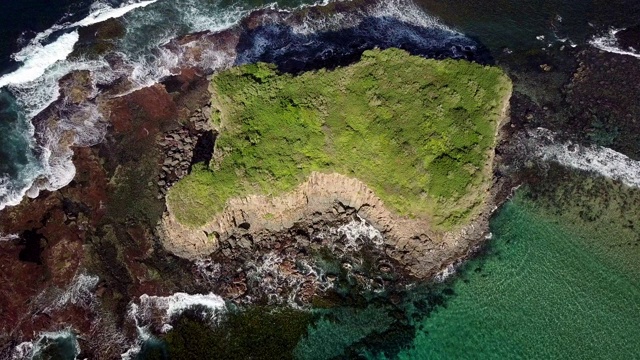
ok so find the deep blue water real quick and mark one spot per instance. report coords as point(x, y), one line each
point(21, 20)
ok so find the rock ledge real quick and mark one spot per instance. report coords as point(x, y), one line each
point(324, 197)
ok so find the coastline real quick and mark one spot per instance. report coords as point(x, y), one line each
point(77, 216)
point(327, 197)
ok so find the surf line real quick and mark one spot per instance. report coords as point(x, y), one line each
point(609, 43)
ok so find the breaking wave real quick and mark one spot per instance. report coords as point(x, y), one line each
point(156, 312)
point(597, 159)
point(609, 43)
point(34, 86)
point(36, 58)
point(65, 342)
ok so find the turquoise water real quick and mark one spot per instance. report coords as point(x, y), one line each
point(543, 291)
point(560, 279)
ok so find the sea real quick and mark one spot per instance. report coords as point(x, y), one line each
point(549, 283)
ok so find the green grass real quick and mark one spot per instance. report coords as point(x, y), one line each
point(418, 132)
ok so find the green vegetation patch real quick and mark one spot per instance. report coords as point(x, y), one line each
point(419, 132)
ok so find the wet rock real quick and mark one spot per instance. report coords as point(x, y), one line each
point(244, 243)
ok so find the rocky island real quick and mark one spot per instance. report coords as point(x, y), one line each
point(320, 180)
point(401, 142)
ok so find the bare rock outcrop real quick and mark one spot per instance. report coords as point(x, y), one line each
point(324, 196)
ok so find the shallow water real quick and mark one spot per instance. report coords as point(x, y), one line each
point(542, 291)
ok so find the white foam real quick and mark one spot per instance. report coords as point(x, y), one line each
point(132, 353)
point(12, 191)
point(79, 292)
point(37, 59)
point(146, 62)
point(148, 70)
point(609, 43)
point(600, 160)
point(357, 232)
point(197, 18)
point(22, 351)
point(445, 273)
point(35, 83)
point(268, 273)
point(158, 311)
point(35, 86)
point(9, 237)
point(105, 13)
point(88, 128)
point(14, 197)
point(9, 195)
point(360, 229)
point(171, 306)
point(403, 10)
point(30, 349)
point(407, 11)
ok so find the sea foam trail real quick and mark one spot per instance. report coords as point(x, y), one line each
point(106, 12)
point(402, 10)
point(597, 159)
point(37, 58)
point(610, 44)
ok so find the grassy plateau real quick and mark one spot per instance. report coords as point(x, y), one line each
point(418, 131)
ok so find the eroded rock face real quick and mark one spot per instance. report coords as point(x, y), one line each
point(327, 198)
point(413, 242)
point(184, 147)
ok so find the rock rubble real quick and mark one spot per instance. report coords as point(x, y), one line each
point(323, 198)
point(184, 147)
